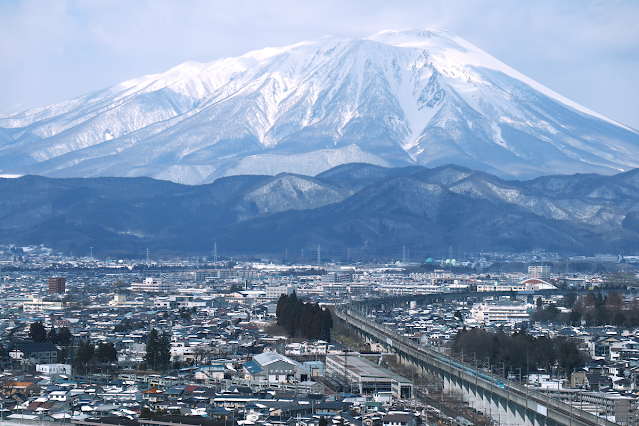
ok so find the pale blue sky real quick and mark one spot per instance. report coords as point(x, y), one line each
point(53, 50)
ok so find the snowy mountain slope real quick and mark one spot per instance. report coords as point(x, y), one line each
point(395, 98)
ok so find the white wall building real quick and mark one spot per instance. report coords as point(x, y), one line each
point(500, 313)
point(54, 368)
point(276, 292)
point(41, 305)
point(153, 285)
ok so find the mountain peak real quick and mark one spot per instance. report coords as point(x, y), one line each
point(417, 36)
point(397, 98)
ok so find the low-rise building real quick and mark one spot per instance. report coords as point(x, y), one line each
point(367, 376)
point(275, 368)
point(37, 304)
point(500, 313)
point(54, 368)
point(37, 353)
point(153, 285)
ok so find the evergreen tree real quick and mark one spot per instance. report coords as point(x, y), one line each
point(106, 352)
point(85, 351)
point(158, 350)
point(164, 350)
point(62, 356)
point(65, 337)
point(152, 344)
point(52, 336)
point(37, 332)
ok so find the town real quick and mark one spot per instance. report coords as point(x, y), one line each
point(257, 342)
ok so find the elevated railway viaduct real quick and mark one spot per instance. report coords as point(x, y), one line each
point(506, 402)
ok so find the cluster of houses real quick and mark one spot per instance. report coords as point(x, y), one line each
point(276, 390)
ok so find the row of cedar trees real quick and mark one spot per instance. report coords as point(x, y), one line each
point(301, 319)
point(82, 352)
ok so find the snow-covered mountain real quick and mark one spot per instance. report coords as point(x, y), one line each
point(392, 99)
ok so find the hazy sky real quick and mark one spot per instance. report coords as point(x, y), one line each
point(53, 50)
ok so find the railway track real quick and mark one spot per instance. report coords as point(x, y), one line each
point(550, 404)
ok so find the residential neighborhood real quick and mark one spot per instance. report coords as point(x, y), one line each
point(121, 341)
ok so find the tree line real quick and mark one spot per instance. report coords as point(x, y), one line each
point(518, 351)
point(78, 353)
point(593, 309)
point(38, 333)
point(597, 309)
point(301, 319)
point(84, 353)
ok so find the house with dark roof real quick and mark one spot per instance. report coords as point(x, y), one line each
point(598, 382)
point(330, 408)
point(33, 352)
point(399, 420)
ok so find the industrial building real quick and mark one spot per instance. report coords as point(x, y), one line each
point(275, 368)
point(367, 376)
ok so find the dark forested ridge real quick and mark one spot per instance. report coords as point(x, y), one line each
point(354, 211)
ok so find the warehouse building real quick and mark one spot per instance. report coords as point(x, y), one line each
point(366, 376)
point(275, 368)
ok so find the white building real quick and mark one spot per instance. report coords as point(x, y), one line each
point(54, 368)
point(500, 313)
point(276, 292)
point(41, 305)
point(530, 284)
point(119, 301)
point(275, 368)
point(153, 285)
